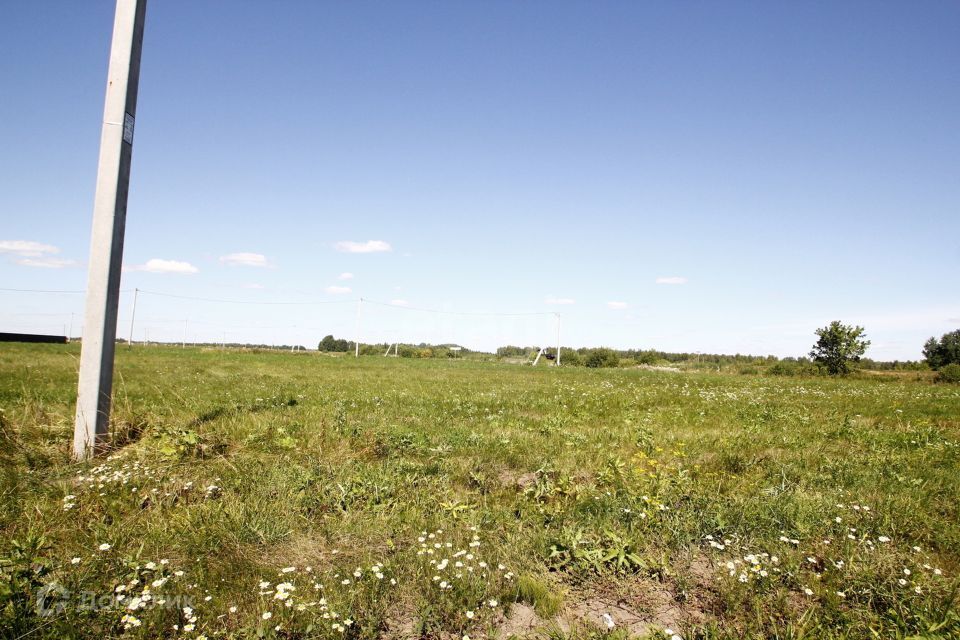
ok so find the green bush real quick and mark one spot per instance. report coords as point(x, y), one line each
point(783, 369)
point(570, 358)
point(949, 373)
point(602, 357)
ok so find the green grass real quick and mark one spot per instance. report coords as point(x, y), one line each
point(701, 502)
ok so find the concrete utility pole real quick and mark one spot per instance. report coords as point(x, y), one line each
point(95, 385)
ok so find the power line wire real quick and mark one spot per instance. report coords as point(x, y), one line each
point(42, 290)
point(54, 290)
point(458, 313)
point(254, 302)
point(304, 303)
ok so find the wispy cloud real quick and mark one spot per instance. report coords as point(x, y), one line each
point(613, 304)
point(346, 275)
point(370, 246)
point(27, 248)
point(253, 285)
point(159, 265)
point(671, 280)
point(554, 300)
point(244, 259)
point(46, 263)
point(335, 290)
point(399, 303)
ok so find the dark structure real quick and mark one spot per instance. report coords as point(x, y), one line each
point(32, 337)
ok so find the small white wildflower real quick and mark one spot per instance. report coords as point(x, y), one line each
point(104, 547)
point(74, 560)
point(266, 615)
point(607, 620)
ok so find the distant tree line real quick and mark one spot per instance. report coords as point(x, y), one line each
point(330, 344)
point(838, 349)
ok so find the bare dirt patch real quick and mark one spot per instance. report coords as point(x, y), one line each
point(523, 622)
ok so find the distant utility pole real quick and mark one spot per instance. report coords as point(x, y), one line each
point(558, 340)
point(356, 351)
point(133, 316)
point(95, 384)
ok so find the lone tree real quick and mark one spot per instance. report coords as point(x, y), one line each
point(329, 343)
point(838, 346)
point(940, 353)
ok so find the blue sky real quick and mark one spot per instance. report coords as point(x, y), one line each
point(688, 176)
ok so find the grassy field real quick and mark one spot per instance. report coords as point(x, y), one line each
point(279, 495)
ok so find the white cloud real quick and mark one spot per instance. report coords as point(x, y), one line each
point(553, 300)
point(617, 305)
point(671, 280)
point(370, 246)
point(334, 289)
point(244, 260)
point(346, 275)
point(46, 263)
point(253, 285)
point(27, 248)
point(159, 265)
point(399, 303)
